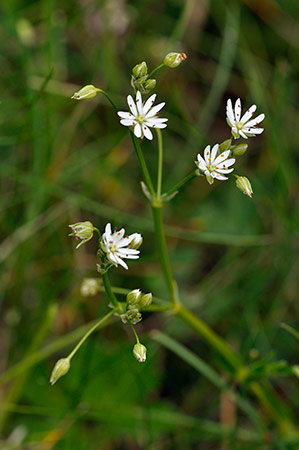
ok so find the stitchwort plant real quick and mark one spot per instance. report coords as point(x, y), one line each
point(117, 250)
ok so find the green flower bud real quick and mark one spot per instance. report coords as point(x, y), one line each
point(83, 231)
point(140, 70)
point(174, 59)
point(146, 300)
point(136, 242)
point(86, 92)
point(139, 351)
point(225, 145)
point(296, 370)
point(239, 150)
point(133, 297)
point(134, 316)
point(149, 85)
point(244, 185)
point(60, 369)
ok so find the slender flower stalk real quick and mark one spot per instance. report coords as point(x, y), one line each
point(160, 164)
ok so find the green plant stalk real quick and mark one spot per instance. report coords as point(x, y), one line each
point(160, 164)
point(155, 70)
point(109, 291)
point(108, 98)
point(91, 330)
point(143, 166)
point(181, 183)
point(163, 253)
point(134, 331)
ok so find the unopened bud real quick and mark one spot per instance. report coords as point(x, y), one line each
point(60, 369)
point(296, 370)
point(86, 92)
point(239, 150)
point(146, 300)
point(174, 59)
point(136, 241)
point(149, 85)
point(140, 70)
point(134, 316)
point(133, 297)
point(83, 231)
point(244, 185)
point(225, 145)
point(139, 351)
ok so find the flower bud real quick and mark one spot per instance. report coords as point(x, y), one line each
point(60, 369)
point(174, 59)
point(86, 92)
point(136, 242)
point(139, 351)
point(225, 145)
point(146, 300)
point(149, 85)
point(239, 150)
point(133, 297)
point(140, 70)
point(89, 286)
point(296, 370)
point(134, 316)
point(83, 231)
point(244, 185)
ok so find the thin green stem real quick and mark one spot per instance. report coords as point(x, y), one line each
point(109, 291)
point(181, 183)
point(109, 99)
point(160, 164)
point(143, 166)
point(156, 69)
point(134, 331)
point(212, 338)
point(91, 330)
point(163, 253)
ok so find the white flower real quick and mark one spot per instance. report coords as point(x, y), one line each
point(142, 116)
point(243, 126)
point(214, 166)
point(116, 246)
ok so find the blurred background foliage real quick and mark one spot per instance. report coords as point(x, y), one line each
point(234, 258)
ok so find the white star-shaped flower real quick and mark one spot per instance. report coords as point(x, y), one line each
point(243, 126)
point(142, 116)
point(214, 165)
point(117, 247)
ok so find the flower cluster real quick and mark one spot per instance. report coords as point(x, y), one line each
point(135, 301)
point(116, 246)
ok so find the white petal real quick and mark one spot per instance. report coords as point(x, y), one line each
point(125, 241)
point(137, 130)
point(253, 130)
point(149, 103)
point(157, 120)
point(238, 110)
point(226, 163)
point(127, 122)
point(214, 152)
point(229, 112)
point(255, 121)
point(243, 134)
point(118, 235)
point(147, 132)
point(201, 162)
point(121, 262)
point(112, 258)
point(153, 111)
point(125, 115)
point(220, 177)
point(207, 154)
point(108, 230)
point(249, 113)
point(127, 251)
point(222, 157)
point(155, 124)
point(132, 105)
point(224, 170)
point(139, 103)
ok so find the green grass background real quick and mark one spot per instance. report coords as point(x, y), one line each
point(63, 161)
